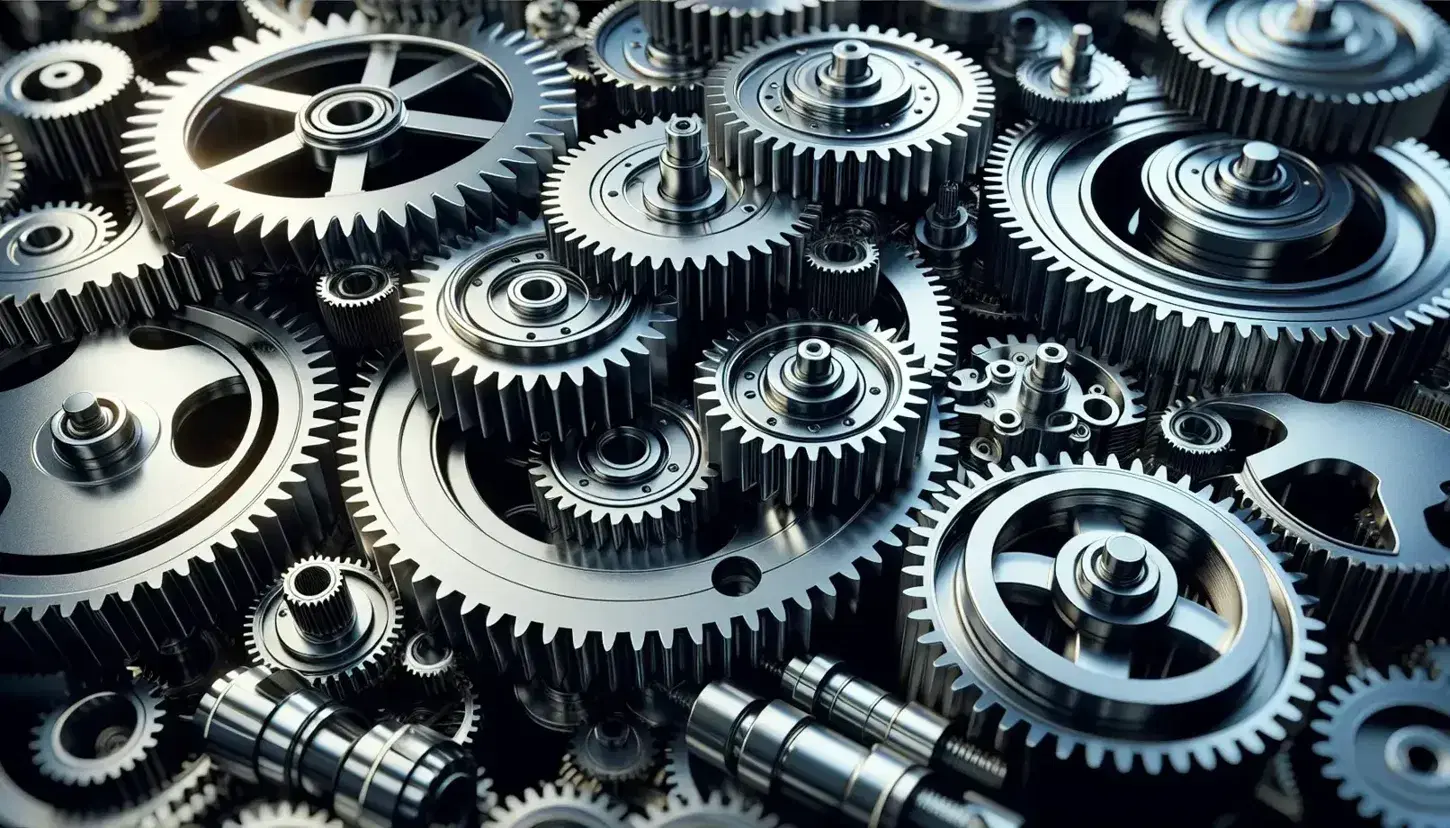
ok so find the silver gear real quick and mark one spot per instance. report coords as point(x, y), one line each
point(551, 20)
point(840, 276)
point(485, 794)
point(274, 15)
point(708, 30)
point(1050, 531)
point(105, 745)
point(812, 411)
point(610, 755)
point(916, 140)
point(557, 804)
point(668, 615)
point(642, 79)
point(251, 210)
point(716, 811)
point(1322, 77)
point(914, 302)
point(1080, 88)
point(505, 339)
point(196, 365)
point(721, 246)
point(281, 813)
point(358, 306)
point(1432, 656)
point(14, 176)
point(429, 663)
point(1026, 32)
point(64, 102)
point(454, 711)
point(1202, 313)
point(1192, 439)
point(1429, 396)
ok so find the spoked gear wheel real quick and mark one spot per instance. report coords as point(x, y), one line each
point(610, 755)
point(709, 30)
point(1088, 558)
point(281, 814)
point(643, 209)
point(888, 141)
point(557, 804)
point(227, 409)
point(399, 143)
point(1318, 77)
point(914, 302)
point(507, 340)
point(1265, 270)
point(642, 78)
point(107, 745)
point(424, 496)
point(716, 811)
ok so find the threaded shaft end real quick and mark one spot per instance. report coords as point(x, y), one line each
point(979, 765)
point(773, 670)
point(681, 696)
point(930, 809)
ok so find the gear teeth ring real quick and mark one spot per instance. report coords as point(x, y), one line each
point(709, 30)
point(133, 769)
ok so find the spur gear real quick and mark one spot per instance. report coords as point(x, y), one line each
point(1432, 656)
point(557, 803)
point(1079, 88)
point(708, 30)
point(1191, 438)
point(947, 233)
point(505, 339)
point(14, 176)
point(227, 408)
point(1312, 75)
point(275, 15)
point(1265, 271)
point(1151, 598)
point(1020, 398)
point(186, 797)
point(64, 103)
point(105, 745)
point(421, 496)
point(609, 755)
point(715, 811)
point(1027, 32)
point(840, 276)
point(812, 411)
point(358, 306)
point(1382, 742)
point(379, 163)
point(644, 210)
point(863, 116)
point(429, 663)
point(641, 77)
point(454, 710)
point(1429, 396)
point(913, 301)
point(281, 813)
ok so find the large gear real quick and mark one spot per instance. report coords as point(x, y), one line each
point(1117, 553)
point(1266, 271)
point(1314, 76)
point(557, 804)
point(299, 190)
point(507, 340)
point(812, 411)
point(914, 302)
point(281, 813)
point(642, 78)
point(708, 30)
point(715, 811)
point(643, 209)
point(109, 740)
point(863, 116)
point(418, 493)
point(228, 408)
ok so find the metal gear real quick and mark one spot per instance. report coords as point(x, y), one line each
point(1432, 656)
point(419, 496)
point(883, 141)
point(716, 811)
point(642, 78)
point(411, 12)
point(1021, 398)
point(1264, 294)
point(1429, 396)
point(302, 194)
point(454, 711)
point(186, 797)
point(281, 813)
point(430, 663)
point(227, 408)
point(105, 745)
point(642, 209)
point(947, 233)
point(333, 622)
point(708, 30)
point(1026, 32)
point(551, 20)
point(840, 276)
point(913, 301)
point(557, 804)
point(812, 411)
point(14, 176)
point(359, 306)
point(275, 15)
point(64, 102)
point(1089, 557)
point(610, 754)
point(507, 340)
point(1077, 89)
point(1191, 438)
point(1384, 743)
point(1313, 75)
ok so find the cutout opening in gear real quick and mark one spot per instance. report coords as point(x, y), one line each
point(1337, 499)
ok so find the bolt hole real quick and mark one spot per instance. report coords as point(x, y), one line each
point(735, 576)
point(1099, 409)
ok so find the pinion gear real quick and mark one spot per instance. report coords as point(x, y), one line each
point(1080, 88)
point(841, 276)
point(358, 306)
point(281, 814)
point(110, 740)
point(642, 78)
point(610, 754)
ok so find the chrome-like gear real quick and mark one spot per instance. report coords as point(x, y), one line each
point(642, 78)
point(610, 754)
point(302, 193)
point(424, 498)
point(1026, 32)
point(1080, 88)
point(429, 663)
point(840, 276)
point(716, 811)
point(228, 409)
point(643, 210)
point(14, 175)
point(186, 797)
point(485, 794)
point(891, 142)
point(454, 711)
point(557, 804)
point(505, 339)
point(413, 12)
point(275, 15)
point(109, 740)
point(1089, 558)
point(638, 484)
point(709, 30)
point(1318, 77)
point(1429, 396)
point(1326, 281)
point(64, 102)
point(812, 411)
point(1192, 439)
point(359, 306)
point(281, 813)
point(912, 301)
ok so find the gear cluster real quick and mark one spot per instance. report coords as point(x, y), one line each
point(724, 413)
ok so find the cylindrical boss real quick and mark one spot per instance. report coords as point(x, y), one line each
point(404, 775)
point(717, 712)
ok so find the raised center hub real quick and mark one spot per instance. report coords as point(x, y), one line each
point(538, 295)
point(92, 431)
point(350, 118)
point(63, 79)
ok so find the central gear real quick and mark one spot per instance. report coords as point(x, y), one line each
point(716, 811)
point(812, 411)
point(643, 209)
point(507, 340)
point(609, 754)
point(709, 30)
point(109, 740)
point(557, 803)
point(850, 116)
point(375, 160)
point(643, 78)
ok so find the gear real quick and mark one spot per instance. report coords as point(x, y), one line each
point(454, 711)
point(635, 485)
point(1264, 271)
point(411, 12)
point(557, 804)
point(609, 755)
point(913, 301)
point(559, 711)
point(551, 20)
point(242, 392)
point(1029, 31)
point(63, 102)
point(14, 178)
point(718, 811)
point(184, 667)
point(888, 141)
point(841, 274)
point(507, 340)
point(812, 411)
point(1191, 438)
point(335, 623)
point(186, 797)
point(947, 232)
point(281, 813)
point(1429, 396)
point(1020, 398)
point(1433, 657)
point(1089, 558)
point(275, 15)
point(359, 306)
point(105, 745)
point(708, 30)
point(419, 495)
point(641, 77)
point(303, 194)
point(1080, 88)
point(484, 792)
point(1319, 76)
point(430, 663)
point(1383, 741)
point(644, 210)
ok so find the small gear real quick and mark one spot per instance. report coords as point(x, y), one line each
point(858, 222)
point(485, 794)
point(1027, 32)
point(64, 102)
point(557, 804)
point(918, 115)
point(841, 274)
point(455, 711)
point(1383, 744)
point(1432, 656)
point(335, 623)
point(610, 755)
point(1320, 76)
point(912, 301)
point(281, 813)
point(110, 740)
point(715, 811)
point(1429, 396)
point(507, 340)
point(981, 312)
point(359, 306)
point(640, 76)
point(551, 20)
point(644, 209)
point(946, 235)
point(1193, 439)
point(708, 30)
point(1080, 88)
point(185, 667)
point(430, 663)
point(14, 176)
point(812, 411)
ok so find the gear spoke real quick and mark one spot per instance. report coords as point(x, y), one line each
point(433, 77)
point(452, 126)
point(1194, 621)
point(257, 158)
point(1103, 662)
point(265, 97)
point(348, 172)
point(1023, 569)
point(379, 68)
